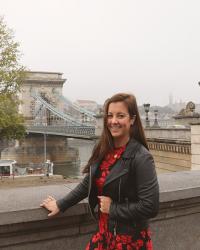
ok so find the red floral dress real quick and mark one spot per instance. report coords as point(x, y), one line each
point(105, 240)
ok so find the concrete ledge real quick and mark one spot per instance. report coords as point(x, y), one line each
point(25, 226)
point(22, 204)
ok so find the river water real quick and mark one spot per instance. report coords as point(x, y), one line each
point(74, 168)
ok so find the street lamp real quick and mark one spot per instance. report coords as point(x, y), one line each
point(146, 109)
point(45, 146)
point(156, 125)
point(45, 133)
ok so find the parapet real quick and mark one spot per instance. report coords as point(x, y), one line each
point(26, 226)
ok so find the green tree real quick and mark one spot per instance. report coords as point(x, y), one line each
point(11, 77)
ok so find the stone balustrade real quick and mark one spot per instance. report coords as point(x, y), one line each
point(170, 146)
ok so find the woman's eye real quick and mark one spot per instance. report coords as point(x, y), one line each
point(120, 116)
point(117, 116)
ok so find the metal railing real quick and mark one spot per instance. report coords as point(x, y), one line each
point(64, 130)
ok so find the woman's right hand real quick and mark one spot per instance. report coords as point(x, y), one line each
point(50, 204)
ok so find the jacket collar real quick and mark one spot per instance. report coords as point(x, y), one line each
point(131, 148)
point(119, 168)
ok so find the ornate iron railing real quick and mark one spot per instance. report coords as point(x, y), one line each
point(63, 130)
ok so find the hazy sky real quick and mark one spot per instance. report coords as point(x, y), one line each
point(149, 48)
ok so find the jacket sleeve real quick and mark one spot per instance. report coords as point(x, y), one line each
point(79, 193)
point(147, 191)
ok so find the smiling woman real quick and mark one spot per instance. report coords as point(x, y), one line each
point(120, 179)
point(119, 122)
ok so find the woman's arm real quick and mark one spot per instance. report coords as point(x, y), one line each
point(77, 194)
point(147, 192)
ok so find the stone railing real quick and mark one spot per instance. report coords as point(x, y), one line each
point(171, 154)
point(169, 133)
point(176, 146)
point(25, 226)
point(171, 148)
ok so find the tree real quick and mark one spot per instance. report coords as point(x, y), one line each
point(11, 122)
point(11, 77)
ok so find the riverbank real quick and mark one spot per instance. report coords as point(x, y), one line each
point(27, 181)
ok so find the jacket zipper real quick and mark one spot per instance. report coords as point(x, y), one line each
point(90, 183)
point(119, 192)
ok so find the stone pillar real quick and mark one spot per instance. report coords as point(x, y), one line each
point(99, 125)
point(195, 146)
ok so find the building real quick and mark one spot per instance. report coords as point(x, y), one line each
point(88, 105)
point(46, 84)
point(7, 167)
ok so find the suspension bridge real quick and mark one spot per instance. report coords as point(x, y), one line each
point(49, 112)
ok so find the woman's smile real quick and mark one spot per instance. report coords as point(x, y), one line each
point(119, 122)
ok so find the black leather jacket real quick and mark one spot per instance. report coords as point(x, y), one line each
point(131, 184)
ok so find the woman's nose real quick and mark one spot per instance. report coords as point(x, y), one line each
point(114, 119)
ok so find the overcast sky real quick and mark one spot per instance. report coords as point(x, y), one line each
point(149, 48)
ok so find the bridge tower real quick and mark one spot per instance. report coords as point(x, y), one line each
point(47, 84)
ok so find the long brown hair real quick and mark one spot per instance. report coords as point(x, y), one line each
point(106, 143)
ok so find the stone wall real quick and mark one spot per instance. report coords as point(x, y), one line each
point(30, 154)
point(31, 149)
point(175, 149)
point(25, 226)
point(49, 83)
point(195, 148)
point(168, 133)
point(171, 155)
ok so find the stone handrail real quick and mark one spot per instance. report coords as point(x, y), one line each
point(176, 146)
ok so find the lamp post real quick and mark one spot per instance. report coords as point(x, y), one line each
point(45, 134)
point(156, 125)
point(45, 146)
point(146, 109)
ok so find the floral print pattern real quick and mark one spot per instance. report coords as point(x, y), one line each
point(105, 240)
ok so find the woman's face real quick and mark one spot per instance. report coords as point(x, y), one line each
point(119, 121)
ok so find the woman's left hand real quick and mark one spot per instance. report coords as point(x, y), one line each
point(105, 203)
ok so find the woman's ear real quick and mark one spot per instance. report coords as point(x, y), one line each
point(133, 120)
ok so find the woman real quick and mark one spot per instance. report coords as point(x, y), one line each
point(120, 178)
